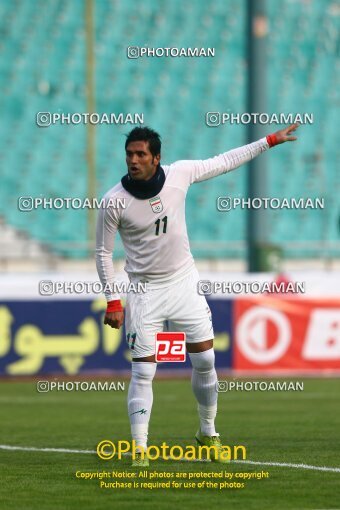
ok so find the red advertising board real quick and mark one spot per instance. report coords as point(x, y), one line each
point(275, 333)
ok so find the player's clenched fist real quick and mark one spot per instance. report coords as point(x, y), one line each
point(114, 319)
point(114, 315)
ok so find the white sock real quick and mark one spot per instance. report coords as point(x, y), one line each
point(140, 398)
point(203, 380)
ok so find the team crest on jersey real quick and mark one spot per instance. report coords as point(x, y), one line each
point(156, 204)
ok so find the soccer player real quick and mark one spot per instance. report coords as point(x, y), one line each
point(153, 231)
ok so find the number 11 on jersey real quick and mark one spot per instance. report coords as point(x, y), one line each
point(158, 222)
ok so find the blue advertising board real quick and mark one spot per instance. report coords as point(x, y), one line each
point(68, 337)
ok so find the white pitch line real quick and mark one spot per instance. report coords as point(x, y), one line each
point(34, 449)
point(257, 463)
point(298, 466)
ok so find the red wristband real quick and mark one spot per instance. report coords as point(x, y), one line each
point(114, 306)
point(272, 140)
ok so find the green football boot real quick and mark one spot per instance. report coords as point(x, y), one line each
point(139, 462)
point(217, 454)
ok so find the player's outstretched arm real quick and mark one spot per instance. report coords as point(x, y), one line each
point(201, 170)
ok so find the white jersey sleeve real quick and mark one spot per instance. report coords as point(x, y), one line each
point(201, 170)
point(107, 226)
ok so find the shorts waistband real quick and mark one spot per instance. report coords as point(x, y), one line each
point(154, 284)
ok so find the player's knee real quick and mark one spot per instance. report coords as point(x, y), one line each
point(143, 372)
point(203, 361)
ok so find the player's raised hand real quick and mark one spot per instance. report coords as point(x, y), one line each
point(284, 135)
point(114, 319)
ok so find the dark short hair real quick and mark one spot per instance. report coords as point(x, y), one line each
point(145, 134)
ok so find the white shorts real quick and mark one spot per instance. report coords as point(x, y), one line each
point(178, 303)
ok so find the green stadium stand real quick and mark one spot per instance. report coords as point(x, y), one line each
point(42, 68)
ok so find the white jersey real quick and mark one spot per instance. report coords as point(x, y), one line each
point(153, 231)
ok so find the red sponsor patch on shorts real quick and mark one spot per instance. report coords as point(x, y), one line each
point(170, 347)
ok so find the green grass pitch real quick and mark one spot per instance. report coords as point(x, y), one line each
point(287, 427)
